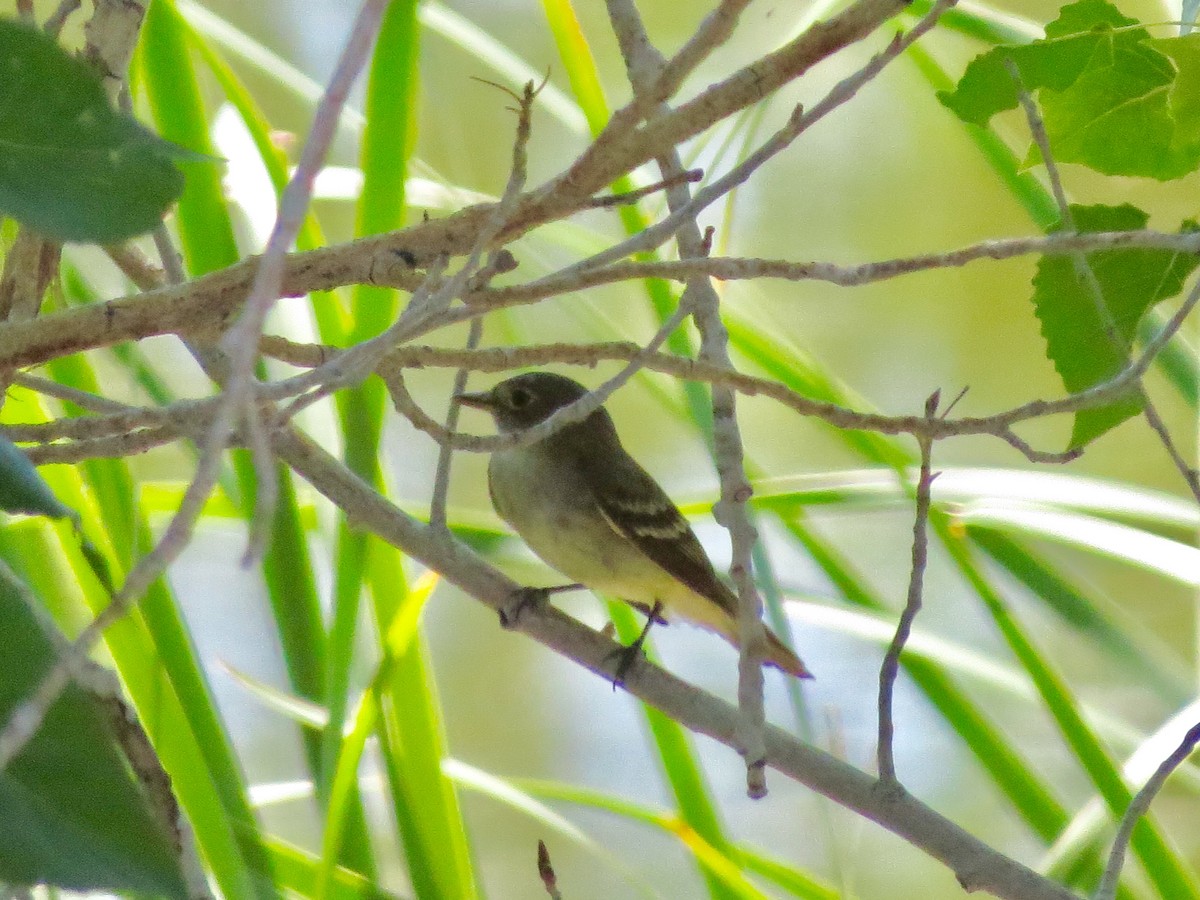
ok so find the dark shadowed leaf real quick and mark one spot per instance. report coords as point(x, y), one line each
point(73, 815)
point(71, 167)
point(22, 489)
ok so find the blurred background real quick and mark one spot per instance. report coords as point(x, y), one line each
point(890, 174)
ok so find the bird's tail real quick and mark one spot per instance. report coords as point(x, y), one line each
point(779, 656)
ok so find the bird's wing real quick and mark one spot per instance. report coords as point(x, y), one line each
point(638, 509)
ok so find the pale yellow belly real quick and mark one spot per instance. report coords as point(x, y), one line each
point(565, 528)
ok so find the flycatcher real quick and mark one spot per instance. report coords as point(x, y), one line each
point(586, 507)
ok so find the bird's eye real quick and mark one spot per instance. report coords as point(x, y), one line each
point(519, 398)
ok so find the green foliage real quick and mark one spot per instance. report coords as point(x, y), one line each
point(1088, 336)
point(1100, 81)
point(71, 167)
point(70, 786)
point(22, 489)
point(1118, 101)
point(1112, 98)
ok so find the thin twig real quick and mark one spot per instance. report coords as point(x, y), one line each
point(546, 872)
point(1190, 476)
point(1137, 808)
point(561, 418)
point(1083, 268)
point(977, 866)
point(891, 660)
point(204, 303)
point(441, 479)
point(238, 398)
point(83, 399)
point(497, 262)
point(112, 447)
point(1087, 274)
point(628, 198)
point(797, 123)
point(998, 424)
point(59, 17)
point(430, 301)
point(643, 63)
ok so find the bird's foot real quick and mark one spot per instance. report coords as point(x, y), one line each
point(523, 598)
point(627, 656)
point(520, 600)
point(652, 613)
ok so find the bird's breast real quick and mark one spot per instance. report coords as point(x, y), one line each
point(548, 503)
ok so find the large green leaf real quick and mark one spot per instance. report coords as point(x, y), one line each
point(73, 815)
point(987, 87)
point(1183, 99)
point(1079, 326)
point(22, 489)
point(70, 165)
point(1112, 98)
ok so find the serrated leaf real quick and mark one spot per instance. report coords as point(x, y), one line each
point(73, 815)
point(1111, 98)
point(1115, 117)
point(1183, 98)
point(22, 489)
point(71, 166)
point(1079, 339)
point(987, 87)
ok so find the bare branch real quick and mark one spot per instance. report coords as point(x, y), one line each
point(977, 866)
point(206, 302)
point(25, 721)
point(1138, 807)
point(891, 660)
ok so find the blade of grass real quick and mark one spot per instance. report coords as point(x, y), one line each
point(679, 765)
point(295, 602)
point(207, 242)
point(412, 739)
point(386, 145)
point(297, 873)
point(160, 672)
point(698, 812)
point(791, 879)
point(386, 149)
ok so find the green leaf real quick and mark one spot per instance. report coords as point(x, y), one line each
point(70, 787)
point(71, 167)
point(1115, 118)
point(1112, 98)
point(1183, 99)
point(1079, 327)
point(987, 88)
point(22, 489)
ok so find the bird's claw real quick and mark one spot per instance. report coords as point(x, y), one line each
point(626, 658)
point(652, 613)
point(522, 599)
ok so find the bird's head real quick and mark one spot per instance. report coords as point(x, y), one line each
point(525, 400)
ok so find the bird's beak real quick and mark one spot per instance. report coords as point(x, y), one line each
point(482, 400)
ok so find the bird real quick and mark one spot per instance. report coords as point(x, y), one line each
point(587, 508)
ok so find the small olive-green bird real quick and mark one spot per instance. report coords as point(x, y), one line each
point(586, 507)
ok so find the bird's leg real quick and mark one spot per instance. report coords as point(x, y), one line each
point(522, 598)
point(627, 656)
point(652, 613)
